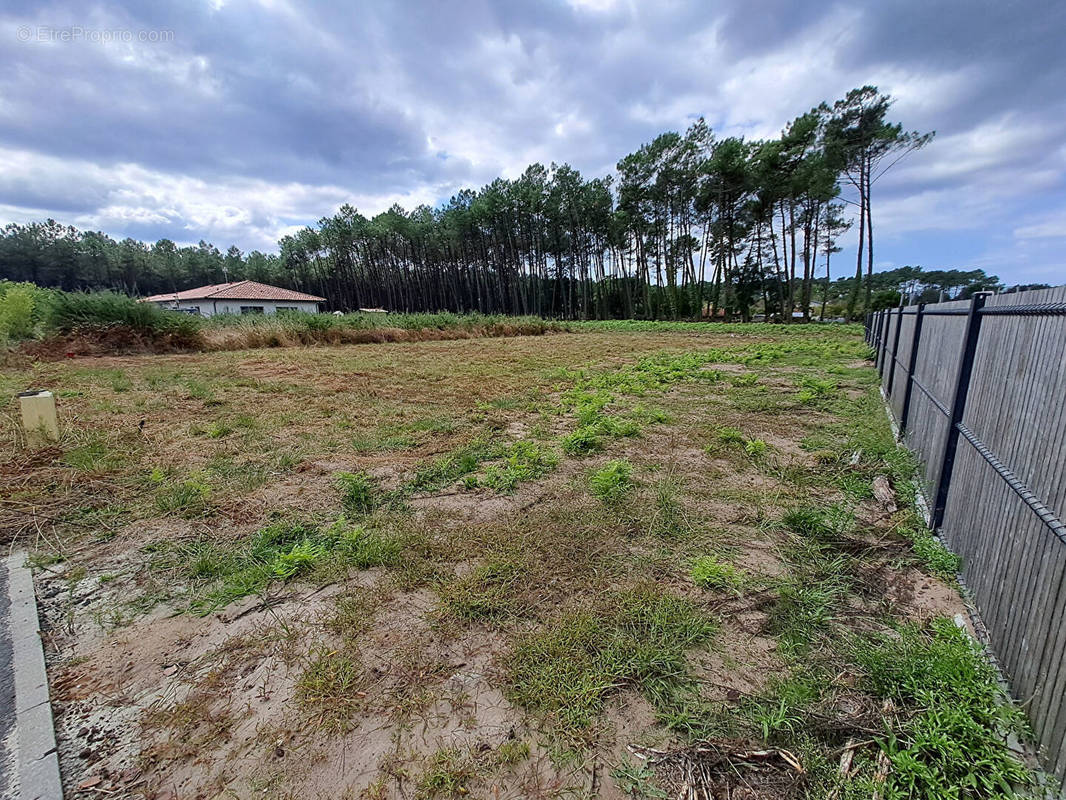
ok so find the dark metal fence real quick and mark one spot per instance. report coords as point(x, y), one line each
point(978, 389)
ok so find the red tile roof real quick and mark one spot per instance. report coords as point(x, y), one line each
point(237, 290)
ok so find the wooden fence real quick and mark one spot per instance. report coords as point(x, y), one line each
point(978, 389)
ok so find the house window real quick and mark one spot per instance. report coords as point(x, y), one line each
point(251, 309)
point(287, 308)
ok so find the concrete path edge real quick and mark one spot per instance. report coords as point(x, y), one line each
point(37, 759)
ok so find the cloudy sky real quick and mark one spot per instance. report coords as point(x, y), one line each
point(237, 121)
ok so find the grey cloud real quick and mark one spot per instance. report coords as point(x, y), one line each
point(364, 96)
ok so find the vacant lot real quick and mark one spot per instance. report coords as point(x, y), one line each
point(678, 561)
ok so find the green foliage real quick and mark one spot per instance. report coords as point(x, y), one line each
point(731, 436)
point(781, 711)
point(73, 311)
point(933, 555)
point(20, 308)
point(567, 669)
point(612, 482)
point(816, 391)
point(637, 780)
point(582, 441)
point(756, 448)
point(447, 470)
point(525, 460)
point(745, 379)
point(954, 743)
point(710, 573)
point(281, 551)
point(190, 497)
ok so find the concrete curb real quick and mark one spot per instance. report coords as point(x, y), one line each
point(38, 762)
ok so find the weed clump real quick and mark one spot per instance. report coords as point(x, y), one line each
point(280, 552)
point(710, 573)
point(612, 482)
point(524, 461)
point(581, 442)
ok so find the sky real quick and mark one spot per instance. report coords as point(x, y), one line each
point(238, 121)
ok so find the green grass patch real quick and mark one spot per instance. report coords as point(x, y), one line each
point(567, 669)
point(448, 469)
point(280, 552)
point(359, 492)
point(489, 592)
point(525, 460)
point(952, 743)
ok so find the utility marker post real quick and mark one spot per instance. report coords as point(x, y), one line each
point(39, 415)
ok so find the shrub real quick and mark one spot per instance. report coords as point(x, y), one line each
point(20, 305)
point(74, 311)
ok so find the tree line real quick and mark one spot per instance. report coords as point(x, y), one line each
point(688, 225)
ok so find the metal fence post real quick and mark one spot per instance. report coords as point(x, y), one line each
point(958, 407)
point(886, 321)
point(912, 364)
point(895, 352)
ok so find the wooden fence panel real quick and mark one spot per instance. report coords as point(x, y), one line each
point(1014, 562)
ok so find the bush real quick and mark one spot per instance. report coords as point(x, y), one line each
point(20, 306)
point(69, 312)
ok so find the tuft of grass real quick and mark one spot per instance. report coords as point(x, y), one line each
point(637, 780)
point(729, 435)
point(745, 379)
point(817, 391)
point(756, 448)
point(669, 516)
point(489, 592)
point(566, 670)
point(461, 462)
point(933, 555)
point(189, 498)
point(331, 684)
point(807, 604)
point(781, 711)
point(359, 495)
point(612, 482)
point(451, 770)
point(710, 573)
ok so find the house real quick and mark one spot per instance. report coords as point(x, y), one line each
point(238, 297)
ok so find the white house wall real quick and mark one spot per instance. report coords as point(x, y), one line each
point(208, 308)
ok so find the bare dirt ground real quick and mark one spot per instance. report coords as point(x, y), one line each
point(470, 617)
